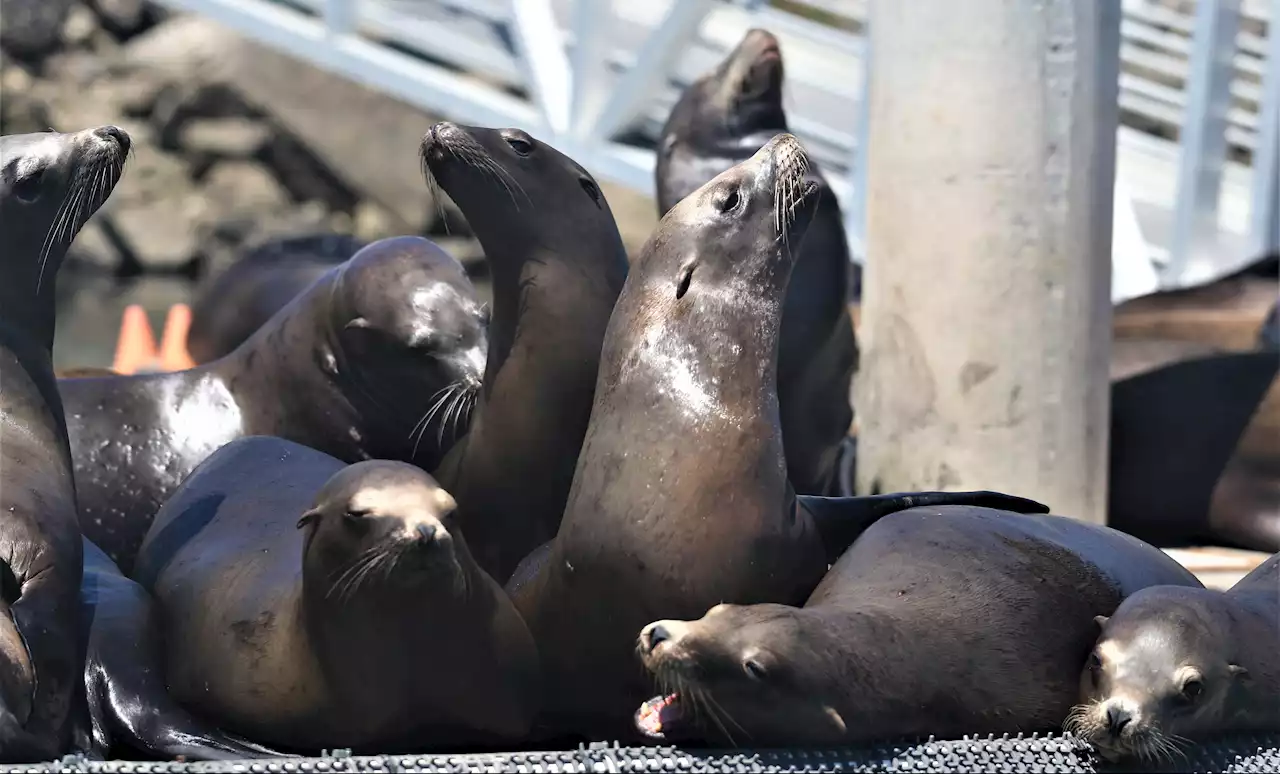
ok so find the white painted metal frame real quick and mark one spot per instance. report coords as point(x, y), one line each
point(574, 103)
point(1204, 136)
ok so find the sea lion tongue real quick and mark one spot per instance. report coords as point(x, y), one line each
point(656, 716)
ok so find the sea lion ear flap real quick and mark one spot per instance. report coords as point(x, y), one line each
point(308, 517)
point(1238, 672)
point(1101, 620)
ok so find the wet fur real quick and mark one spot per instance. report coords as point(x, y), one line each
point(723, 119)
point(291, 626)
point(353, 390)
point(1208, 630)
point(938, 621)
point(558, 265)
point(50, 184)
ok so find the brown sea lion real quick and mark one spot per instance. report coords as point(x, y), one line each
point(1176, 664)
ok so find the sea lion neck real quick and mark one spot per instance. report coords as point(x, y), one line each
point(305, 330)
point(29, 310)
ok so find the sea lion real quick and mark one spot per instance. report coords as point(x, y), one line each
point(129, 705)
point(722, 119)
point(1269, 333)
point(307, 604)
point(1175, 664)
point(557, 263)
point(50, 184)
point(377, 359)
point(240, 300)
point(937, 621)
point(1175, 424)
point(680, 498)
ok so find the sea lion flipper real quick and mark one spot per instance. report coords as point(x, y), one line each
point(128, 699)
point(840, 520)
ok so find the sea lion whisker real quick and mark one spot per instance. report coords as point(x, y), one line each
point(364, 556)
point(425, 422)
point(454, 411)
point(61, 222)
point(727, 715)
point(419, 428)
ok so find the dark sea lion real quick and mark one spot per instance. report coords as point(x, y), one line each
point(377, 359)
point(240, 300)
point(307, 604)
point(680, 499)
point(50, 184)
point(1269, 333)
point(937, 621)
point(721, 120)
point(1174, 428)
point(1177, 664)
point(558, 264)
point(129, 705)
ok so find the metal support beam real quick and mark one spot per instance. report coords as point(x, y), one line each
point(339, 16)
point(1203, 140)
point(541, 44)
point(986, 321)
point(1265, 199)
point(588, 20)
point(633, 92)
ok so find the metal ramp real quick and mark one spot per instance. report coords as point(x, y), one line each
point(1199, 145)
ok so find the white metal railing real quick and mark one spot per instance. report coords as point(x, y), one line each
point(1198, 150)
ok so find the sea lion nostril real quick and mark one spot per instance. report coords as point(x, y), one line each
point(655, 636)
point(426, 532)
point(1117, 719)
point(115, 133)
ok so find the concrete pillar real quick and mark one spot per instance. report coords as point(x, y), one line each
point(986, 326)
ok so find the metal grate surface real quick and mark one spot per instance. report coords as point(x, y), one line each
point(1050, 753)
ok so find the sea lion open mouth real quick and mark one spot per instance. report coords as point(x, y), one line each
point(657, 716)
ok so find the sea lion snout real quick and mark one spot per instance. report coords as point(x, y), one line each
point(114, 134)
point(661, 633)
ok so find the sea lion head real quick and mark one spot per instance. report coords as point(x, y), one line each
point(743, 672)
point(406, 311)
point(1161, 672)
point(737, 233)
point(381, 522)
point(50, 184)
point(520, 196)
point(741, 97)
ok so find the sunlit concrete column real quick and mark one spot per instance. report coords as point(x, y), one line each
point(986, 323)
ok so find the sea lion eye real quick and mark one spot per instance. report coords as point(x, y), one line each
point(355, 514)
point(753, 668)
point(1095, 668)
point(591, 189)
point(1192, 690)
point(29, 188)
point(521, 147)
point(727, 200)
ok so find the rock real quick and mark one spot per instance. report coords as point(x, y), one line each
point(161, 234)
point(93, 246)
point(150, 174)
point(123, 17)
point(244, 188)
point(372, 222)
point(79, 27)
point(367, 139)
point(239, 138)
point(32, 28)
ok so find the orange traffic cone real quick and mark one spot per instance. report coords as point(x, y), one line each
point(136, 346)
point(173, 344)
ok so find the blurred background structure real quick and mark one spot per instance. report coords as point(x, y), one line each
point(259, 117)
